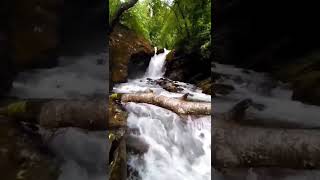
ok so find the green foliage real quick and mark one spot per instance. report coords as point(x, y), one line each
point(137, 19)
point(113, 6)
point(172, 24)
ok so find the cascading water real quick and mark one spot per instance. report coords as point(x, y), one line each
point(274, 96)
point(83, 154)
point(275, 99)
point(179, 147)
point(74, 77)
point(156, 65)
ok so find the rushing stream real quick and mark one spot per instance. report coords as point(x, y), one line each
point(82, 154)
point(179, 148)
point(276, 106)
point(273, 96)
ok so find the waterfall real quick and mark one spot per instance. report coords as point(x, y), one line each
point(179, 148)
point(156, 65)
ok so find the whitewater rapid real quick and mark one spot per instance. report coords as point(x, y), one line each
point(179, 148)
point(82, 154)
point(275, 98)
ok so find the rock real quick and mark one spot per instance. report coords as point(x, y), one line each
point(138, 65)
point(168, 85)
point(160, 51)
point(117, 114)
point(136, 145)
point(21, 156)
point(304, 75)
point(123, 49)
point(187, 67)
point(118, 157)
point(206, 86)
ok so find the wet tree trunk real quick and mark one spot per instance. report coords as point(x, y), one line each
point(91, 115)
point(242, 139)
point(85, 114)
point(236, 145)
point(178, 106)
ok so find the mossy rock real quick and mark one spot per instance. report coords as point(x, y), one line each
point(117, 114)
point(304, 75)
point(124, 44)
point(206, 86)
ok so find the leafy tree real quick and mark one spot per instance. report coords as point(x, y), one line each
point(184, 24)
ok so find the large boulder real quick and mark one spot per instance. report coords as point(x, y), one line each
point(127, 48)
point(304, 75)
point(187, 67)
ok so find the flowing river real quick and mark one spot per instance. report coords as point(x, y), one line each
point(276, 107)
point(82, 155)
point(179, 147)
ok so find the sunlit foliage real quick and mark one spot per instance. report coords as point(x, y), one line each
point(171, 23)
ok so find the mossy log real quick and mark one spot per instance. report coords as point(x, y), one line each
point(86, 114)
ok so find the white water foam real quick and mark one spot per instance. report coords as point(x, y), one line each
point(156, 65)
point(83, 154)
point(276, 98)
point(180, 148)
point(74, 77)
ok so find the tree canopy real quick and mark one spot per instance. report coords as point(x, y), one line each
point(169, 23)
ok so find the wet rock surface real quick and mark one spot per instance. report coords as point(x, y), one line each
point(187, 67)
point(22, 157)
point(125, 46)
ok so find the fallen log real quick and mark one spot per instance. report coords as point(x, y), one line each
point(91, 115)
point(244, 138)
point(235, 145)
point(86, 114)
point(179, 106)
